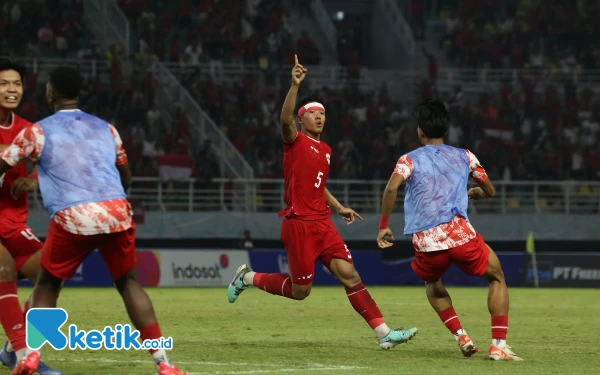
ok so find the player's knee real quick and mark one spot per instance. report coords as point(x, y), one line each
point(49, 281)
point(125, 280)
point(351, 280)
point(300, 292)
point(345, 272)
point(435, 289)
point(8, 272)
point(495, 275)
point(494, 271)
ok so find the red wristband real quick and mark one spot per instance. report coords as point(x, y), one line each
point(384, 222)
point(34, 175)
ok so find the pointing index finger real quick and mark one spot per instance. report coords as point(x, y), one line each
point(295, 59)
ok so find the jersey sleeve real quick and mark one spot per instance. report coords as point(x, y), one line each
point(28, 144)
point(121, 154)
point(478, 174)
point(404, 167)
point(299, 139)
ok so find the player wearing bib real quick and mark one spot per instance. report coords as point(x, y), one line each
point(83, 176)
point(307, 231)
point(435, 212)
point(19, 246)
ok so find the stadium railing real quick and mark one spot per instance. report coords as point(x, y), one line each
point(336, 77)
point(87, 68)
point(266, 195)
point(471, 80)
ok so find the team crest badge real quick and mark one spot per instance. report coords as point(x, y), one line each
point(328, 157)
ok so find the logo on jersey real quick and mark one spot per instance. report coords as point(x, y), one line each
point(328, 157)
point(314, 149)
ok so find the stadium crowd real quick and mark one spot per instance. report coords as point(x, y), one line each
point(516, 133)
point(217, 31)
point(556, 35)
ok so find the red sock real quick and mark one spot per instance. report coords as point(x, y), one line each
point(151, 332)
point(274, 283)
point(11, 315)
point(450, 319)
point(499, 327)
point(26, 308)
point(365, 305)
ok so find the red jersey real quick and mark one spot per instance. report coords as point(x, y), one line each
point(13, 212)
point(305, 170)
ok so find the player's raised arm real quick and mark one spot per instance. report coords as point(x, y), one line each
point(288, 126)
point(479, 176)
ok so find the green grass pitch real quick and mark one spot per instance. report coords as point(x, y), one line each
point(556, 331)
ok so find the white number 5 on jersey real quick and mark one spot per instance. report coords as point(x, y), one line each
point(318, 183)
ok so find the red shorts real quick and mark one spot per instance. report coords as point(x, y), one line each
point(63, 252)
point(21, 244)
point(472, 258)
point(307, 241)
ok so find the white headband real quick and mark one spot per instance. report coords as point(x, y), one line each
point(312, 106)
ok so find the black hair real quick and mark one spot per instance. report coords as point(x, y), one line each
point(308, 99)
point(433, 118)
point(66, 82)
point(6, 64)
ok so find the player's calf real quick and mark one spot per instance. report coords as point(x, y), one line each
point(141, 312)
point(46, 290)
point(274, 283)
point(365, 305)
point(440, 300)
point(498, 304)
point(11, 315)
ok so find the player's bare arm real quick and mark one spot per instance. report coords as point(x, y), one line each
point(484, 190)
point(387, 205)
point(125, 174)
point(3, 147)
point(289, 132)
point(347, 213)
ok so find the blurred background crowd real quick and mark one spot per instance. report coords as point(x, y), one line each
point(530, 127)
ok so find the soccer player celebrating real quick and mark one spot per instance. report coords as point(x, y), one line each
point(307, 231)
point(435, 211)
point(19, 247)
point(83, 176)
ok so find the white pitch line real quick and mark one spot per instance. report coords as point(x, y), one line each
point(285, 369)
point(279, 370)
point(289, 368)
point(205, 363)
